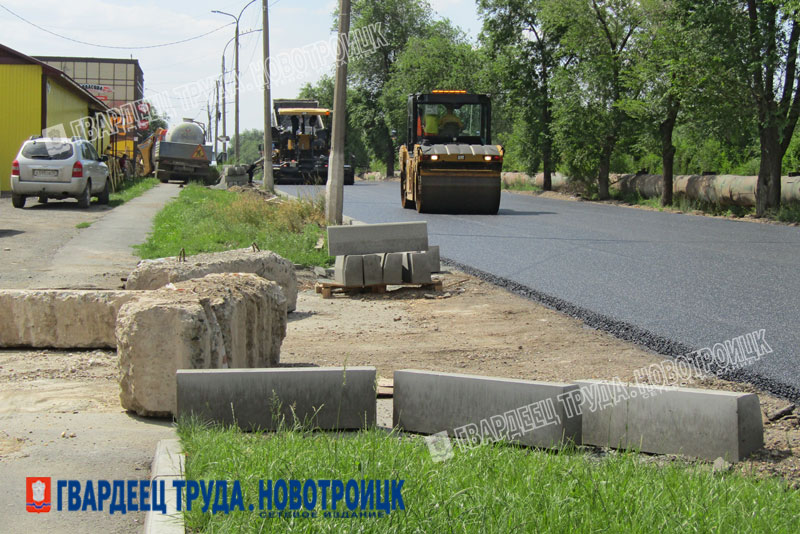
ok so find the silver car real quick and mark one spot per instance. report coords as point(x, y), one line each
point(48, 167)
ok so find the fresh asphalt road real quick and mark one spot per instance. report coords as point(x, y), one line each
point(691, 279)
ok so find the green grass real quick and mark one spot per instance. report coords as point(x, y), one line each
point(494, 488)
point(521, 186)
point(211, 220)
point(682, 204)
point(83, 225)
point(788, 213)
point(130, 189)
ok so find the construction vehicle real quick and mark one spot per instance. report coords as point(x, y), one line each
point(449, 164)
point(147, 152)
point(302, 142)
point(182, 154)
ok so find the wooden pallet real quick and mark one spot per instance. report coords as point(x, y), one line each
point(328, 289)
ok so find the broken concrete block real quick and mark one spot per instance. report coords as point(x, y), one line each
point(373, 272)
point(329, 398)
point(153, 274)
point(251, 313)
point(670, 420)
point(349, 271)
point(392, 265)
point(485, 408)
point(377, 238)
point(60, 318)
point(157, 335)
point(221, 320)
point(416, 269)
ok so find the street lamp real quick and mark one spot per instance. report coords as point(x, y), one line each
point(236, 68)
point(224, 112)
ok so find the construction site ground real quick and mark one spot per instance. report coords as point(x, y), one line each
point(60, 413)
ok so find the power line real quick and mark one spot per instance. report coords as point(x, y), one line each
point(23, 19)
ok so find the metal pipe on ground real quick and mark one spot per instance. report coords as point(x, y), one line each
point(722, 189)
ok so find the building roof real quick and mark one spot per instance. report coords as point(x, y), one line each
point(9, 56)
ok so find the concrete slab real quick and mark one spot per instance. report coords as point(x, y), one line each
point(434, 259)
point(392, 264)
point(326, 397)
point(416, 268)
point(668, 420)
point(154, 274)
point(377, 238)
point(373, 272)
point(60, 318)
point(489, 408)
point(349, 271)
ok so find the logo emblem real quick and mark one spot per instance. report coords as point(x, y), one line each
point(440, 446)
point(37, 494)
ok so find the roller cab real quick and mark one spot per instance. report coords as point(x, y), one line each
point(449, 164)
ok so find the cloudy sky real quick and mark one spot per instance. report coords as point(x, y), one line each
point(172, 72)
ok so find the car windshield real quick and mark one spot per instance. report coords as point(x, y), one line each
point(448, 120)
point(47, 150)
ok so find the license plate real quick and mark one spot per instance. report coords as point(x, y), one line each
point(461, 156)
point(45, 172)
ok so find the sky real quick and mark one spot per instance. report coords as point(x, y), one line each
point(181, 77)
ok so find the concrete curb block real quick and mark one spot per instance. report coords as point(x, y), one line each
point(428, 403)
point(168, 463)
point(705, 424)
point(377, 238)
point(328, 398)
point(700, 423)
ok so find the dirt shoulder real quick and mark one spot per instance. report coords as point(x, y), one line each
point(480, 329)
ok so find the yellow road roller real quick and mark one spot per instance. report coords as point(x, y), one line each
point(449, 164)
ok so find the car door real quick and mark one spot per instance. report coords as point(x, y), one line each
point(91, 161)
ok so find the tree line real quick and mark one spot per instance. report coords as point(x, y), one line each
point(593, 87)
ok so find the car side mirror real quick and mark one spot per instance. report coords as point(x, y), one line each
point(104, 158)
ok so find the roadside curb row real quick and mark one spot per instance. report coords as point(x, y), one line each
point(168, 464)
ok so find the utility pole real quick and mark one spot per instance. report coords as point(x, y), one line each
point(334, 190)
point(216, 121)
point(236, 74)
point(269, 182)
point(236, 97)
point(224, 113)
point(208, 124)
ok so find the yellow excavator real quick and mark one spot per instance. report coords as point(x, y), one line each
point(147, 148)
point(449, 164)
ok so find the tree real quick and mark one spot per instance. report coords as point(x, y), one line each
point(597, 52)
point(443, 59)
point(513, 31)
point(678, 69)
point(400, 20)
point(761, 37)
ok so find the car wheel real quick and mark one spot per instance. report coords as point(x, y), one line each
point(102, 197)
point(18, 200)
point(42, 200)
point(86, 197)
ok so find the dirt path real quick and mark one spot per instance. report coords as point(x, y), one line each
point(59, 411)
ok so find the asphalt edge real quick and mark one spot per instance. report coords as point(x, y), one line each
point(168, 463)
point(631, 333)
point(618, 329)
